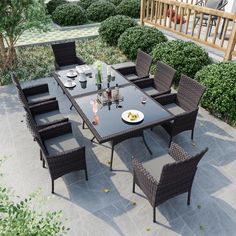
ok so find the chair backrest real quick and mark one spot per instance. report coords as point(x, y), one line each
point(22, 98)
point(65, 53)
point(163, 77)
point(15, 79)
point(214, 4)
point(177, 177)
point(143, 64)
point(189, 93)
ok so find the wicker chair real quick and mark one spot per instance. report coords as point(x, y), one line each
point(167, 176)
point(183, 105)
point(65, 56)
point(132, 71)
point(43, 114)
point(161, 83)
point(33, 94)
point(59, 149)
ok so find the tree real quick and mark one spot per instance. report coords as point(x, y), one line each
point(17, 16)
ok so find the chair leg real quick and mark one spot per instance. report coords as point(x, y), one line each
point(44, 166)
point(170, 140)
point(154, 214)
point(71, 107)
point(133, 186)
point(83, 126)
point(41, 158)
point(192, 133)
point(145, 143)
point(52, 186)
point(92, 138)
point(86, 174)
point(112, 152)
point(189, 196)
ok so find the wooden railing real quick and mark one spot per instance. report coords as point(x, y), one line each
point(207, 26)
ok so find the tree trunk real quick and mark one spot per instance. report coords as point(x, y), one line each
point(3, 52)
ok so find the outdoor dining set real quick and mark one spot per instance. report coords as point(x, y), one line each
point(116, 103)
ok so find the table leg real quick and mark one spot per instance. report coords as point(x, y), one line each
point(112, 152)
point(145, 143)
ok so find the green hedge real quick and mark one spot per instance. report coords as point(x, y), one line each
point(115, 2)
point(86, 3)
point(111, 28)
point(69, 15)
point(139, 37)
point(186, 57)
point(100, 10)
point(129, 8)
point(53, 4)
point(220, 96)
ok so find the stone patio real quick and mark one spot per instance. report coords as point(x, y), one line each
point(91, 211)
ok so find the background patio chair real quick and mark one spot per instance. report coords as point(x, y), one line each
point(59, 149)
point(183, 105)
point(65, 56)
point(135, 71)
point(161, 83)
point(167, 176)
point(214, 4)
point(33, 94)
point(43, 114)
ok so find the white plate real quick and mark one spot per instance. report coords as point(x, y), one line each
point(71, 74)
point(72, 85)
point(125, 117)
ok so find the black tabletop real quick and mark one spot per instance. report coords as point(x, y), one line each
point(110, 123)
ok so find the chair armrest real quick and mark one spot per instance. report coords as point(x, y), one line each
point(57, 66)
point(145, 181)
point(186, 118)
point(144, 83)
point(44, 107)
point(127, 70)
point(178, 153)
point(55, 130)
point(80, 61)
point(36, 89)
point(166, 98)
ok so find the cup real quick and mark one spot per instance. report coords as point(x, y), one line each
point(143, 100)
point(69, 82)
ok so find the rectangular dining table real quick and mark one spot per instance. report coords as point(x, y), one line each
point(109, 125)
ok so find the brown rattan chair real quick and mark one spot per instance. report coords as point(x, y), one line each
point(167, 176)
point(33, 94)
point(65, 56)
point(161, 83)
point(183, 105)
point(135, 71)
point(59, 149)
point(43, 114)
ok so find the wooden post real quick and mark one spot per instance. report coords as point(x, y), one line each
point(231, 43)
point(142, 12)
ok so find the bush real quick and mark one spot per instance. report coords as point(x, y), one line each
point(129, 8)
point(86, 3)
point(100, 10)
point(139, 37)
point(69, 14)
point(220, 96)
point(186, 57)
point(53, 4)
point(115, 2)
point(111, 29)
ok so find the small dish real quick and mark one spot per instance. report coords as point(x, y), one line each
point(132, 116)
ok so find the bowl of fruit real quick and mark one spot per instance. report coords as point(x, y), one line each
point(132, 116)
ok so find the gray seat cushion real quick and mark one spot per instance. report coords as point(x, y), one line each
point(72, 66)
point(131, 77)
point(123, 65)
point(51, 116)
point(61, 143)
point(151, 91)
point(155, 166)
point(174, 109)
point(39, 97)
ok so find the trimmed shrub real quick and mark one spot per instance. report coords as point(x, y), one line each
point(86, 3)
point(186, 57)
point(53, 4)
point(220, 96)
point(129, 8)
point(111, 28)
point(100, 10)
point(69, 14)
point(139, 37)
point(115, 2)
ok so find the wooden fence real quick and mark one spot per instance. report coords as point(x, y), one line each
point(207, 26)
